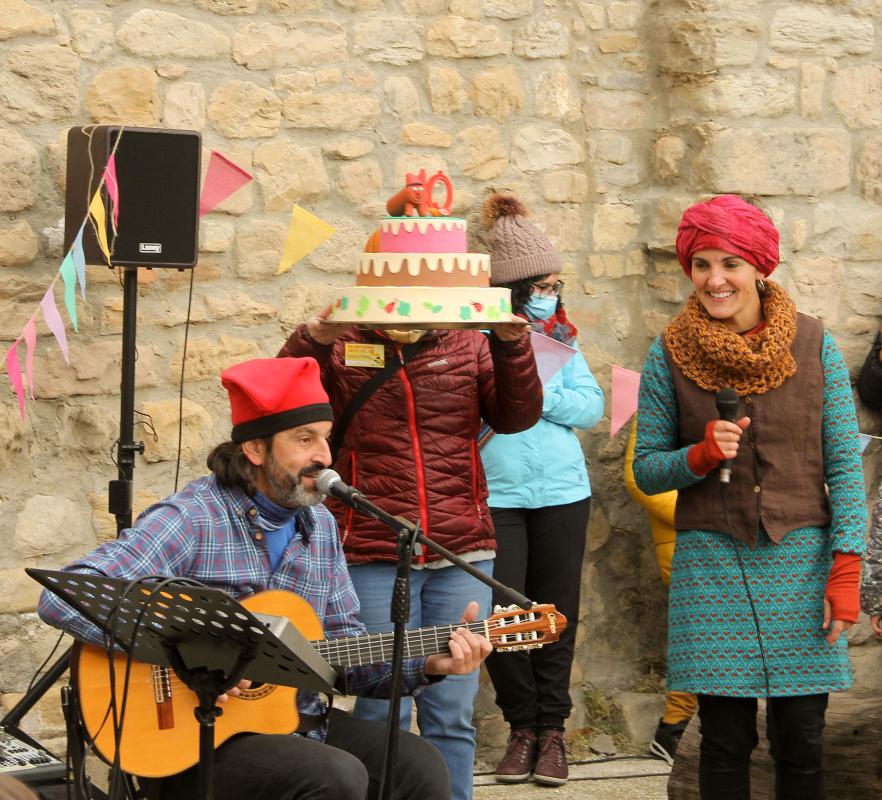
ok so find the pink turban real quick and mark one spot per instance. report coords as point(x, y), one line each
point(728, 223)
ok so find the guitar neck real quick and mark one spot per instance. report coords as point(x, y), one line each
point(376, 648)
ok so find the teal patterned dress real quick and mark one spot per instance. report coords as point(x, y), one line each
point(713, 646)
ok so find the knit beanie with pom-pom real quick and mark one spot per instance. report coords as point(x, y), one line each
point(518, 249)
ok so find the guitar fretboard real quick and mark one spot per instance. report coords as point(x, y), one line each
point(376, 648)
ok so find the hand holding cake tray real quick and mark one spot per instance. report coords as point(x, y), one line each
point(416, 272)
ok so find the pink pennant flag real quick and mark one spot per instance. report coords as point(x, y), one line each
point(222, 178)
point(54, 322)
point(112, 185)
point(550, 355)
point(29, 334)
point(13, 370)
point(625, 385)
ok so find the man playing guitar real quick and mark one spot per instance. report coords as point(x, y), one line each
point(257, 523)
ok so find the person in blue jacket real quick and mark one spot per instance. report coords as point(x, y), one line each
point(539, 500)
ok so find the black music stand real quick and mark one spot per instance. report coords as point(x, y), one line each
point(209, 639)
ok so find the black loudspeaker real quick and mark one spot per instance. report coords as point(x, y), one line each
point(158, 175)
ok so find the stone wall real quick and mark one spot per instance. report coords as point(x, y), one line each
point(607, 117)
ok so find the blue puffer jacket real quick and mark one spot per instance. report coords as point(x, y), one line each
point(544, 465)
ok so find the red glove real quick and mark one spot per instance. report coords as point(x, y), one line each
point(843, 586)
point(706, 455)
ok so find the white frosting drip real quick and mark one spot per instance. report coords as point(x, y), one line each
point(394, 224)
point(393, 263)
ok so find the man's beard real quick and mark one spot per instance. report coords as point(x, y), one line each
point(287, 490)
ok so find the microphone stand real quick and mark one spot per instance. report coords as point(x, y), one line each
point(408, 536)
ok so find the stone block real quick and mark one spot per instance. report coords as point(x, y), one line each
point(215, 236)
point(556, 97)
point(19, 168)
point(424, 8)
point(185, 106)
point(615, 226)
point(751, 93)
point(401, 96)
point(360, 180)
point(244, 110)
point(22, 19)
point(124, 94)
point(481, 152)
point(497, 93)
point(18, 245)
point(91, 33)
point(812, 78)
point(455, 37)
point(237, 307)
point(19, 593)
point(389, 40)
point(815, 31)
point(594, 15)
point(151, 33)
point(51, 525)
point(698, 45)
point(564, 228)
point(536, 148)
point(446, 92)
point(308, 43)
point(259, 245)
point(343, 111)
point(816, 287)
point(618, 42)
point(624, 16)
point(616, 110)
point(347, 149)
point(88, 426)
point(289, 174)
point(507, 9)
point(640, 713)
point(541, 37)
point(423, 135)
point(776, 161)
point(667, 157)
point(564, 186)
point(869, 168)
point(302, 302)
point(207, 358)
point(40, 83)
point(431, 160)
point(226, 8)
point(857, 95)
point(196, 428)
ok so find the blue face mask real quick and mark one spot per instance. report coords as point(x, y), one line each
point(541, 307)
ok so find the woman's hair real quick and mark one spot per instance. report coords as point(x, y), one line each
point(521, 291)
point(12, 789)
point(231, 467)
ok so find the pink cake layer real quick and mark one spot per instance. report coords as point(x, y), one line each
point(423, 235)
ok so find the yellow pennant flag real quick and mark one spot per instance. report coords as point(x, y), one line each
point(96, 209)
point(305, 232)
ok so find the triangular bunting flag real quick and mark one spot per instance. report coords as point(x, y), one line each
point(112, 185)
point(625, 385)
point(54, 322)
point(865, 440)
point(29, 334)
point(550, 355)
point(305, 232)
point(96, 209)
point(222, 178)
point(79, 260)
point(13, 370)
point(69, 276)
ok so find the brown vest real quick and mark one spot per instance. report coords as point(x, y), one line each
point(778, 474)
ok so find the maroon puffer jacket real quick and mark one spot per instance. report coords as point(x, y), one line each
point(411, 448)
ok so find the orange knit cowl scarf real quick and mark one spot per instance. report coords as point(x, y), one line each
point(712, 356)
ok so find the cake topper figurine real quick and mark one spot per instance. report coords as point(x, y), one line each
point(415, 199)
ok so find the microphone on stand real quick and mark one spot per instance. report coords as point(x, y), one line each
point(727, 407)
point(329, 482)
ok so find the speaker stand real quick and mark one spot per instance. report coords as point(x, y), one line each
point(120, 490)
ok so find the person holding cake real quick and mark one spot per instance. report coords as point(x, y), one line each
point(408, 440)
point(539, 500)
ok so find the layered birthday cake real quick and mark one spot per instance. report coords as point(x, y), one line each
point(416, 271)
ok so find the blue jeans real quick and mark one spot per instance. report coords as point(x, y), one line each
point(444, 710)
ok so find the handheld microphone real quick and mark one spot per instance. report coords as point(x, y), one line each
point(727, 407)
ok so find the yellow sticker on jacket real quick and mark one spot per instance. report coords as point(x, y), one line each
point(364, 355)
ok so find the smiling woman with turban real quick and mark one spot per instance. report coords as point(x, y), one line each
point(766, 567)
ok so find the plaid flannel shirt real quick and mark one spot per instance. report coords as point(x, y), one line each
point(214, 535)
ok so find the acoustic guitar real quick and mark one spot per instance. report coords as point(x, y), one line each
point(160, 734)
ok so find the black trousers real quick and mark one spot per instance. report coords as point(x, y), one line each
point(539, 553)
point(348, 766)
point(794, 728)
